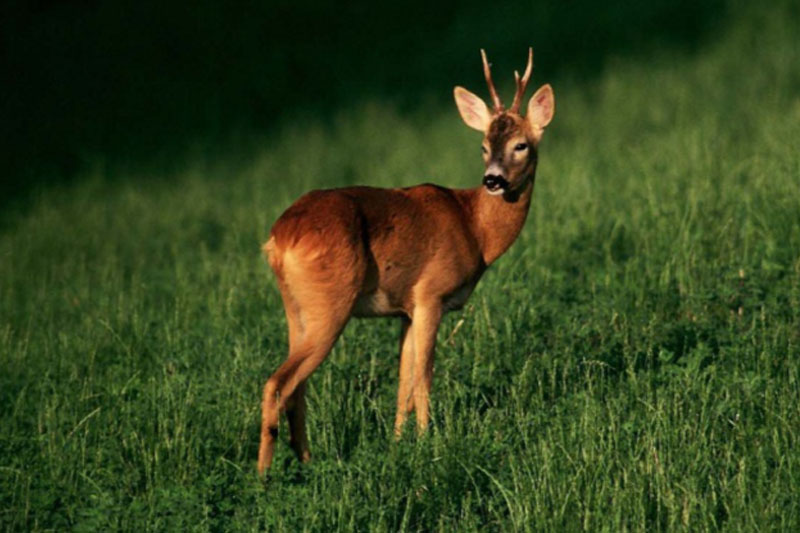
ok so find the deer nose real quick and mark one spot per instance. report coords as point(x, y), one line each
point(490, 179)
point(494, 182)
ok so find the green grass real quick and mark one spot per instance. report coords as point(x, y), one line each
point(632, 363)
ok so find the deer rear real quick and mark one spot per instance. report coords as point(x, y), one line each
point(414, 253)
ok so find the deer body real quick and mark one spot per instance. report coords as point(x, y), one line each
point(414, 253)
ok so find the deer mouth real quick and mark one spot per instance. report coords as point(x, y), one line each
point(495, 184)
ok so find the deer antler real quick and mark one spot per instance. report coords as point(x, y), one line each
point(522, 83)
point(498, 105)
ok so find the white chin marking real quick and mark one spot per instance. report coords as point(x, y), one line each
point(496, 192)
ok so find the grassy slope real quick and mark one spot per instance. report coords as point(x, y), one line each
point(631, 363)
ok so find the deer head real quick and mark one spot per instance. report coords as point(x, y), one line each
point(510, 141)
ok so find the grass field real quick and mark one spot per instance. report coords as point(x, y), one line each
point(632, 363)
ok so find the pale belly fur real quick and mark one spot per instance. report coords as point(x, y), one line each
point(377, 303)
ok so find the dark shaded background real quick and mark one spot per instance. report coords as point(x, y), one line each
point(136, 83)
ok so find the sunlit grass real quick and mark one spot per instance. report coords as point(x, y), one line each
point(631, 363)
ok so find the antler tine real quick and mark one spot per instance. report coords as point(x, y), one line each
point(498, 105)
point(522, 83)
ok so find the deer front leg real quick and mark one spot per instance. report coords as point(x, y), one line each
point(405, 400)
point(425, 324)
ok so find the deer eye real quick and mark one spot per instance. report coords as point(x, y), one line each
point(520, 147)
point(484, 150)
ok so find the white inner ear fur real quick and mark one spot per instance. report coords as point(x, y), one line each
point(540, 109)
point(473, 110)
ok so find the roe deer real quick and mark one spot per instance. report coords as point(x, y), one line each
point(414, 253)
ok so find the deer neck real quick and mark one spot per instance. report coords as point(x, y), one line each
point(497, 220)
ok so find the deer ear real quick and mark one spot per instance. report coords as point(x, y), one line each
point(473, 111)
point(541, 107)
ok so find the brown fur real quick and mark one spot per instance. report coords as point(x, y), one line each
point(414, 253)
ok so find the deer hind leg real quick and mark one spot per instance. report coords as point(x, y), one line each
point(405, 399)
point(317, 308)
point(296, 413)
point(296, 403)
point(269, 414)
point(425, 323)
point(285, 388)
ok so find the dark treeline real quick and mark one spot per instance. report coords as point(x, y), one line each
point(139, 81)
